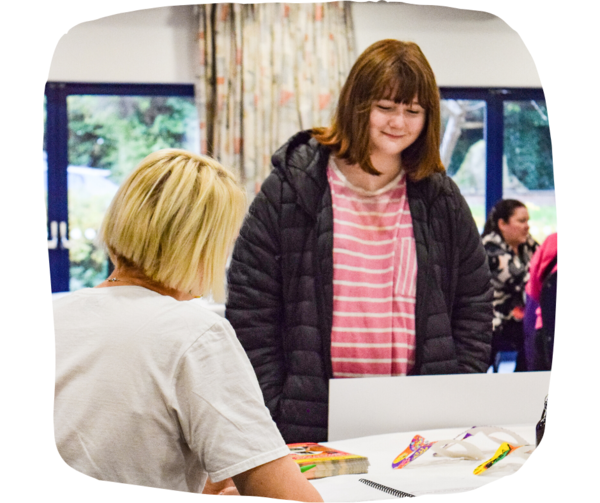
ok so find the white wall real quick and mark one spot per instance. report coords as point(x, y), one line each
point(151, 45)
point(465, 48)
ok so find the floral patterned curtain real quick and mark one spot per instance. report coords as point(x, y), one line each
point(267, 71)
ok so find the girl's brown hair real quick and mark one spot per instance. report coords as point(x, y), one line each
point(394, 70)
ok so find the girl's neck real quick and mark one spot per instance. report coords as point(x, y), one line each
point(388, 167)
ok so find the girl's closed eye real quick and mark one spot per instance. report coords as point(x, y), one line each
point(415, 109)
point(384, 105)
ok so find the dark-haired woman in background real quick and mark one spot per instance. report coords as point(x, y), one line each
point(359, 256)
point(509, 246)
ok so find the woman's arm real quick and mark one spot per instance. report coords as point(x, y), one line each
point(225, 487)
point(279, 479)
point(472, 310)
point(255, 305)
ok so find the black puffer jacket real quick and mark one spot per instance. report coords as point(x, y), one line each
point(281, 286)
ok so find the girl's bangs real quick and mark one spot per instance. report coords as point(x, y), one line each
point(404, 87)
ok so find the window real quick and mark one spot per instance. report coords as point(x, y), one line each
point(527, 169)
point(96, 136)
point(462, 150)
point(496, 144)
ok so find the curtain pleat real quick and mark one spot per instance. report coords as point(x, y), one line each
point(267, 71)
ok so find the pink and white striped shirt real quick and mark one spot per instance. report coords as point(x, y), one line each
point(374, 279)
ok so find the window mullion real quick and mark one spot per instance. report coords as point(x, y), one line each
point(494, 136)
point(57, 159)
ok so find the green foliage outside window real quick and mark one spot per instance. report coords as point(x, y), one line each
point(115, 133)
point(527, 145)
point(89, 262)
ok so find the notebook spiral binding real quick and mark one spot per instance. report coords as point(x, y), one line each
point(386, 489)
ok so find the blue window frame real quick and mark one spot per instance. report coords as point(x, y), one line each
point(57, 156)
point(57, 137)
point(494, 128)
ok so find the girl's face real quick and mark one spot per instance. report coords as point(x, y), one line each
point(394, 126)
point(516, 230)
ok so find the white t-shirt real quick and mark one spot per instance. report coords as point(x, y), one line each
point(156, 392)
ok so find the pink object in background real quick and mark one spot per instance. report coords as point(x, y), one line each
point(539, 262)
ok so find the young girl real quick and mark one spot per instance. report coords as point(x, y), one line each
point(359, 257)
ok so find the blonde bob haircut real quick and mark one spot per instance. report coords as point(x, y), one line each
point(175, 219)
point(396, 71)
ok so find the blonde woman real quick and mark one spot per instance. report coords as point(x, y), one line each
point(151, 388)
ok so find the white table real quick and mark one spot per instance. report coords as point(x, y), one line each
point(425, 475)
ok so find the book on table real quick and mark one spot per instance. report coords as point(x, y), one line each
point(326, 460)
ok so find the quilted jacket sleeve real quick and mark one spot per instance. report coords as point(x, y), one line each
point(472, 312)
point(254, 305)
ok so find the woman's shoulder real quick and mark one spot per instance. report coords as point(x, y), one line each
point(446, 184)
point(144, 301)
point(299, 152)
point(436, 183)
point(494, 244)
point(189, 322)
point(200, 313)
point(137, 310)
point(299, 172)
point(435, 188)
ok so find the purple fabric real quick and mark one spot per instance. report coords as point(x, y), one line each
point(529, 332)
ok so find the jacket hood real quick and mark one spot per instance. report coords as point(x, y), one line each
point(303, 163)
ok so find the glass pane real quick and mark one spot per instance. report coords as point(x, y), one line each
point(527, 165)
point(463, 151)
point(108, 137)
